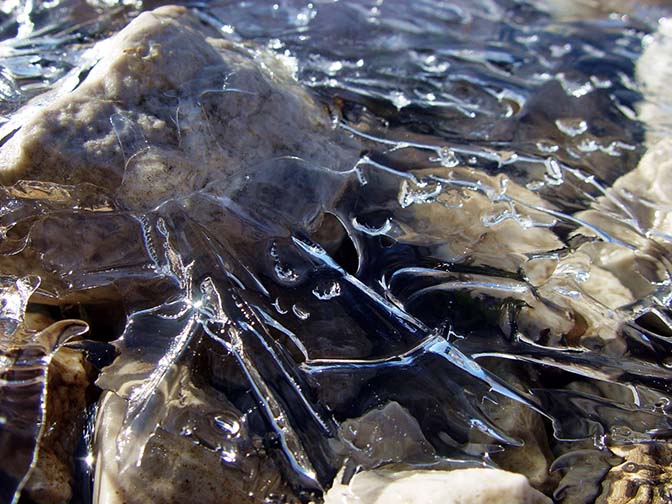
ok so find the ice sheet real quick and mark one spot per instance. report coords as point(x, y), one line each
point(297, 230)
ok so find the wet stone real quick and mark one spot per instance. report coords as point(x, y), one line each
point(164, 95)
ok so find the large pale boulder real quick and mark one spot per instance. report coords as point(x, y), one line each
point(168, 107)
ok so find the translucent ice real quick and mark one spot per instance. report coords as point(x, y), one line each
point(313, 245)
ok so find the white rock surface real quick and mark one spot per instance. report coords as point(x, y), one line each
point(645, 191)
point(593, 9)
point(462, 486)
point(654, 72)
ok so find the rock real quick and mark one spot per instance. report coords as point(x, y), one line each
point(462, 486)
point(581, 300)
point(650, 183)
point(576, 10)
point(43, 398)
point(533, 459)
point(52, 477)
point(497, 223)
point(169, 108)
point(386, 435)
point(646, 190)
point(476, 223)
point(644, 476)
point(181, 467)
point(653, 75)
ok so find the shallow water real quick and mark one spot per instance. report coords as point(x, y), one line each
point(478, 262)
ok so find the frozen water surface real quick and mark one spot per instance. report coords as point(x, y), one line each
point(250, 246)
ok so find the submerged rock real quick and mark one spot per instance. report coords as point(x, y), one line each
point(179, 468)
point(168, 107)
point(643, 477)
point(52, 478)
point(385, 436)
point(42, 400)
point(461, 486)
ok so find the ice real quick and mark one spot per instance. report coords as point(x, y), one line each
point(358, 246)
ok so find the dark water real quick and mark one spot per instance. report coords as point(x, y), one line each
point(472, 266)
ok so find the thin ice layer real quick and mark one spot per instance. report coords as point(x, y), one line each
point(285, 292)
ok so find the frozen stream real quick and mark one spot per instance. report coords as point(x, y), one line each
point(250, 250)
